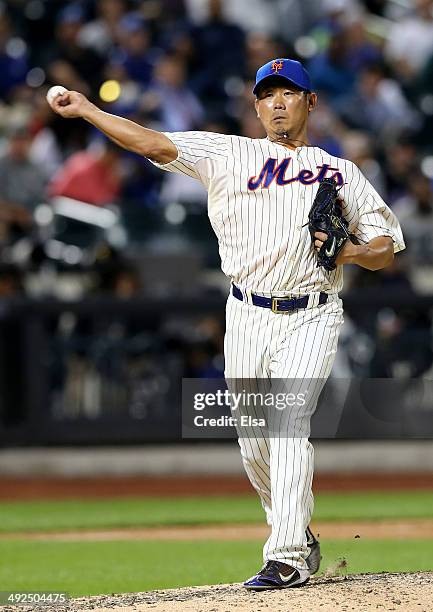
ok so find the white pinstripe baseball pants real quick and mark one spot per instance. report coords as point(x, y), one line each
point(279, 347)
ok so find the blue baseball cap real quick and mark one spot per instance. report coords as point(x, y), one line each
point(290, 70)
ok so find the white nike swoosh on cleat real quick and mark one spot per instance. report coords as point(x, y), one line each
point(287, 578)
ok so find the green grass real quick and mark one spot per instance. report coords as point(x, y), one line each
point(133, 512)
point(85, 568)
point(374, 505)
point(127, 566)
point(140, 512)
point(375, 556)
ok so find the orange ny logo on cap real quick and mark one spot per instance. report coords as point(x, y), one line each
point(277, 65)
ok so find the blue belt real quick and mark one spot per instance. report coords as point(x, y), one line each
point(278, 304)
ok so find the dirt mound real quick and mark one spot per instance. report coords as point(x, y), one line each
point(405, 592)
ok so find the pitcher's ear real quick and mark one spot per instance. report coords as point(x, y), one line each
point(311, 101)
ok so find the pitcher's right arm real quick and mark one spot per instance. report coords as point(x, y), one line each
point(125, 133)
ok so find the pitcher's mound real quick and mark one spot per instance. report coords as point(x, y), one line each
point(401, 592)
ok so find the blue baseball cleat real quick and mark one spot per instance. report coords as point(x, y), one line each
point(277, 575)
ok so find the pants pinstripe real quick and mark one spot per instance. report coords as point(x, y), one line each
point(293, 352)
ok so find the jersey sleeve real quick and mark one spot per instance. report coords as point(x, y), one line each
point(199, 154)
point(367, 213)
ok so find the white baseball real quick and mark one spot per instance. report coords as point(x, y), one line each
point(53, 92)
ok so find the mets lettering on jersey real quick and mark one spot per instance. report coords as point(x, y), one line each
point(269, 172)
point(260, 194)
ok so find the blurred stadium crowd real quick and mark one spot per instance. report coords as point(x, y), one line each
point(80, 217)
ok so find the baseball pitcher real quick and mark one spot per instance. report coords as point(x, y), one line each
point(288, 216)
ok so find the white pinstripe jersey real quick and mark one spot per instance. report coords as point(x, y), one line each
point(259, 197)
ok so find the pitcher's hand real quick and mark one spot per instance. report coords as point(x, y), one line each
point(71, 105)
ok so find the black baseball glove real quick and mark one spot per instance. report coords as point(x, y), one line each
point(326, 216)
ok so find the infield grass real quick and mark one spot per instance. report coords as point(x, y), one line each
point(147, 511)
point(92, 567)
point(86, 568)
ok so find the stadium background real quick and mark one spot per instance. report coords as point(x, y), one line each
point(110, 289)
